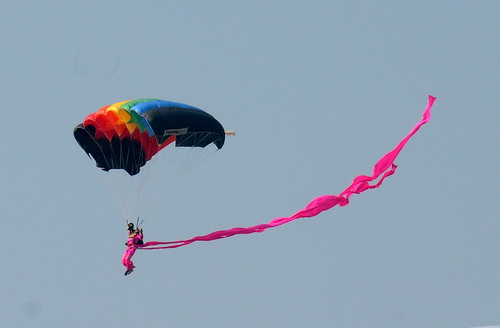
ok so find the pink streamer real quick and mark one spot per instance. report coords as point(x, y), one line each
point(385, 167)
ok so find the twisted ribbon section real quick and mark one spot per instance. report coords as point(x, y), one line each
point(384, 168)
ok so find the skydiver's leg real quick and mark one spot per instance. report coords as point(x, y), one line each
point(126, 260)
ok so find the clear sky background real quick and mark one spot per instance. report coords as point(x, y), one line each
point(318, 91)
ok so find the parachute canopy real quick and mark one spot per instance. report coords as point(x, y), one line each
point(127, 134)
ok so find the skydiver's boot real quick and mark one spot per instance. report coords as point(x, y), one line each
point(129, 272)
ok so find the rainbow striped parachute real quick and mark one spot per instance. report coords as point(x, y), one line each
point(127, 134)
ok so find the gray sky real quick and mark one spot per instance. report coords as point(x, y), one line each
point(318, 91)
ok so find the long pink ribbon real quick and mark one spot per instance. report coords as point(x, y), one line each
point(385, 167)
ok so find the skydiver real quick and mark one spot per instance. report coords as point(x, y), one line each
point(135, 237)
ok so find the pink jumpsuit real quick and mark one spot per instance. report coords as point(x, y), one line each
point(129, 252)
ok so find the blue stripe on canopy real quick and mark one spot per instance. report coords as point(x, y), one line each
point(143, 107)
